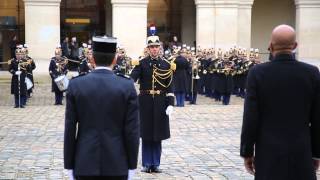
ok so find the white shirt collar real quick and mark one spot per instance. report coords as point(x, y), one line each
point(102, 67)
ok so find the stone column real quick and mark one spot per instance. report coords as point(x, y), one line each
point(226, 16)
point(108, 18)
point(308, 29)
point(244, 23)
point(129, 24)
point(205, 23)
point(42, 30)
point(188, 22)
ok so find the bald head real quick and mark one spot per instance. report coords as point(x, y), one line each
point(283, 39)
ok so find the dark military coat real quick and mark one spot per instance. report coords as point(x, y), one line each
point(180, 75)
point(281, 119)
point(17, 86)
point(224, 82)
point(30, 69)
point(102, 125)
point(55, 72)
point(154, 121)
point(84, 67)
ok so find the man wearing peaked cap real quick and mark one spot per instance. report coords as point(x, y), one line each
point(156, 103)
point(101, 139)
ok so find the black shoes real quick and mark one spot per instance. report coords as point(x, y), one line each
point(156, 170)
point(146, 170)
point(151, 170)
point(19, 106)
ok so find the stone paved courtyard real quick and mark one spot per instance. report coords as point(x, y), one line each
point(204, 143)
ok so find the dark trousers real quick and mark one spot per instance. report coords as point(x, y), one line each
point(217, 96)
point(151, 153)
point(193, 98)
point(58, 97)
point(23, 100)
point(242, 92)
point(180, 97)
point(226, 99)
point(101, 177)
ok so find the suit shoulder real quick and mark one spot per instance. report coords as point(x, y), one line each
point(77, 79)
point(308, 66)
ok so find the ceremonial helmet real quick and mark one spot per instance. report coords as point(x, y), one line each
point(153, 41)
point(58, 50)
point(19, 49)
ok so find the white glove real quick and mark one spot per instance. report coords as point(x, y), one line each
point(18, 73)
point(131, 173)
point(169, 110)
point(70, 174)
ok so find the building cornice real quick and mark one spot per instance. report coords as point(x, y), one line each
point(42, 2)
point(307, 3)
point(130, 3)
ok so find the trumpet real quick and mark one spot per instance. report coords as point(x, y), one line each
point(195, 68)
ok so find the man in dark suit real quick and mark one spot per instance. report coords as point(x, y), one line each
point(101, 138)
point(280, 137)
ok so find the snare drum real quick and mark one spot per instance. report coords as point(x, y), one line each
point(62, 82)
point(28, 83)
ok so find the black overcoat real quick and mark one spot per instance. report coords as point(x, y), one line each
point(17, 87)
point(180, 75)
point(281, 122)
point(154, 121)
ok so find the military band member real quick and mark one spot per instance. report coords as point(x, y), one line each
point(156, 101)
point(57, 67)
point(120, 66)
point(18, 69)
point(30, 68)
point(87, 63)
point(195, 65)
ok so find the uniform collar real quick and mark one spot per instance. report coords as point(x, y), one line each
point(101, 69)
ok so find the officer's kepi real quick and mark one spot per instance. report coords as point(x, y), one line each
point(104, 44)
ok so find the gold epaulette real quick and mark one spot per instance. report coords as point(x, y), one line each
point(173, 65)
point(135, 62)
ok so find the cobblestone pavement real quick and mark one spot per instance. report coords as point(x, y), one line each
point(204, 143)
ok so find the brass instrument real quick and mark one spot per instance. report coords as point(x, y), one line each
point(24, 63)
point(62, 63)
point(195, 68)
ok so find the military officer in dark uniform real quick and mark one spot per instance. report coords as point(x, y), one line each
point(85, 66)
point(18, 69)
point(195, 66)
point(57, 67)
point(101, 139)
point(180, 78)
point(156, 101)
point(120, 66)
point(225, 80)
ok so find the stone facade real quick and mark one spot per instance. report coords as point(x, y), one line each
point(218, 23)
